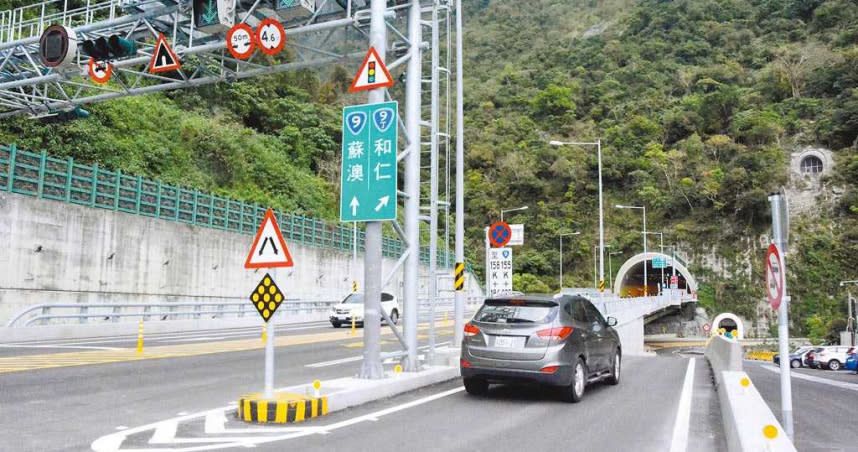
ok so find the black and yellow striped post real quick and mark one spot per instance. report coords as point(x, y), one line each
point(459, 276)
point(602, 285)
point(281, 409)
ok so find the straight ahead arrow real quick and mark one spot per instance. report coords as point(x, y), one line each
point(354, 205)
point(382, 202)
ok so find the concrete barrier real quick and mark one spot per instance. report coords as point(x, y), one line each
point(749, 424)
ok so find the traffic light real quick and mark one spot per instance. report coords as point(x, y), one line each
point(110, 48)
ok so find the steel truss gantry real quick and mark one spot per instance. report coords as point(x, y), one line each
point(337, 33)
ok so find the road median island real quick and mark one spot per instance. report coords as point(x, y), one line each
point(749, 424)
point(282, 408)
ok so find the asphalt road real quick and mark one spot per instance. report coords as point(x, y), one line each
point(67, 408)
point(825, 408)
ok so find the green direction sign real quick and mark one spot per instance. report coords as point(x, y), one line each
point(659, 262)
point(368, 181)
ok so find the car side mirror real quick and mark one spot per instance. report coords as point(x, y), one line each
point(612, 321)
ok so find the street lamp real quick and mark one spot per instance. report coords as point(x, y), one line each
point(512, 210)
point(850, 325)
point(595, 271)
point(661, 247)
point(561, 255)
point(598, 144)
point(646, 263)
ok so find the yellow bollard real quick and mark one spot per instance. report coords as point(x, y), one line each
point(264, 332)
point(317, 385)
point(140, 338)
point(397, 370)
point(354, 325)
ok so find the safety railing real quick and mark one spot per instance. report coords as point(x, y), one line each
point(84, 313)
point(31, 20)
point(43, 176)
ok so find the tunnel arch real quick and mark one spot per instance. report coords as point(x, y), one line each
point(634, 265)
point(728, 318)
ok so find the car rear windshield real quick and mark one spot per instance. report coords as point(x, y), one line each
point(512, 312)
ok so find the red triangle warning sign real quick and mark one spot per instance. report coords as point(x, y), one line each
point(372, 74)
point(163, 58)
point(269, 249)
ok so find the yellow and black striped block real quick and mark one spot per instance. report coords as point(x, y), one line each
point(459, 276)
point(283, 408)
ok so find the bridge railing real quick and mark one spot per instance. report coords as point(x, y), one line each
point(43, 176)
point(85, 313)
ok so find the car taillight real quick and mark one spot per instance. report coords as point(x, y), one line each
point(464, 363)
point(556, 334)
point(549, 369)
point(471, 330)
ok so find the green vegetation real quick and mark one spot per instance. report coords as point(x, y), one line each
point(698, 104)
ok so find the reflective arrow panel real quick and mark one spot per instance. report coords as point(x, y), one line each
point(369, 167)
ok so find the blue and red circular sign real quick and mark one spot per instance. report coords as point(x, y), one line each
point(499, 234)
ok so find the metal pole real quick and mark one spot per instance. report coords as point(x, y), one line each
point(459, 308)
point(611, 272)
point(354, 253)
point(412, 188)
point(783, 322)
point(269, 360)
point(561, 262)
point(601, 219)
point(371, 367)
point(595, 271)
point(661, 245)
point(646, 262)
point(488, 270)
point(849, 320)
point(433, 184)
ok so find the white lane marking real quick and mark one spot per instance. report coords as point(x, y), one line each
point(80, 347)
point(113, 442)
point(679, 442)
point(197, 339)
point(385, 356)
point(825, 381)
point(216, 425)
point(165, 432)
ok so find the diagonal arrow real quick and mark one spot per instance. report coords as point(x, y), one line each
point(354, 205)
point(382, 202)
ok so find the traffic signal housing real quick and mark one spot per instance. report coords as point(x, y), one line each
point(110, 48)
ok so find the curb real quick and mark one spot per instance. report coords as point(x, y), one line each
point(283, 408)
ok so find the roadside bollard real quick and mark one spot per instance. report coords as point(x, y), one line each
point(264, 332)
point(140, 338)
point(317, 385)
point(354, 325)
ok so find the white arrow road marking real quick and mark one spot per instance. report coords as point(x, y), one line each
point(113, 442)
point(216, 424)
point(165, 433)
point(382, 202)
point(354, 205)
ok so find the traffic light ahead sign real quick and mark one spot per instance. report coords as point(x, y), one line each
point(369, 168)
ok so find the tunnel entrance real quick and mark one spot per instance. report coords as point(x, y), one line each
point(730, 322)
point(630, 278)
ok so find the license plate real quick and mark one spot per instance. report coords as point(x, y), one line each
point(508, 341)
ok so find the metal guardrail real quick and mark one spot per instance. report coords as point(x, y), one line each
point(46, 313)
point(65, 180)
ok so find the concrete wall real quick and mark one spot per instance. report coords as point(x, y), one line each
point(53, 252)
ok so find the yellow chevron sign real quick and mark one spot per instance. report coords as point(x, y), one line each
point(602, 285)
point(459, 276)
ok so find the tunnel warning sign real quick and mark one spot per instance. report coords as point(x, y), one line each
point(269, 249)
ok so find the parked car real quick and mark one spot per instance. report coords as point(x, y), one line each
point(559, 341)
point(796, 358)
point(833, 357)
point(810, 358)
point(352, 306)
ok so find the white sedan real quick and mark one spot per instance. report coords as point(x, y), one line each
point(352, 305)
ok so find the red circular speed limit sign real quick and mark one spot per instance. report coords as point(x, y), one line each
point(270, 36)
point(240, 41)
point(775, 278)
point(499, 234)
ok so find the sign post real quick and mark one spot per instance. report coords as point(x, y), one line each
point(268, 251)
point(777, 294)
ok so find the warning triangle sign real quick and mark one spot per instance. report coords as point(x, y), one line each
point(269, 249)
point(163, 58)
point(372, 74)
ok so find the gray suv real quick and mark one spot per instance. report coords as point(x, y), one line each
point(559, 341)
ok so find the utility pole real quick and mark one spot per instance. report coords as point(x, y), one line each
point(433, 183)
point(778, 211)
point(459, 307)
point(371, 367)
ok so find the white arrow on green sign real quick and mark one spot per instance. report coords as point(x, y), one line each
point(369, 167)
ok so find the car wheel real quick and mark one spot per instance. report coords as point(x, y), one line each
point(575, 391)
point(336, 324)
point(394, 317)
point(614, 379)
point(795, 363)
point(476, 386)
point(834, 365)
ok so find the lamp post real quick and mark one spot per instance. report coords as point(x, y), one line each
point(561, 255)
point(661, 247)
point(595, 268)
point(850, 322)
point(598, 144)
point(512, 210)
point(646, 263)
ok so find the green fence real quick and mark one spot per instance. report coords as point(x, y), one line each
point(64, 180)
